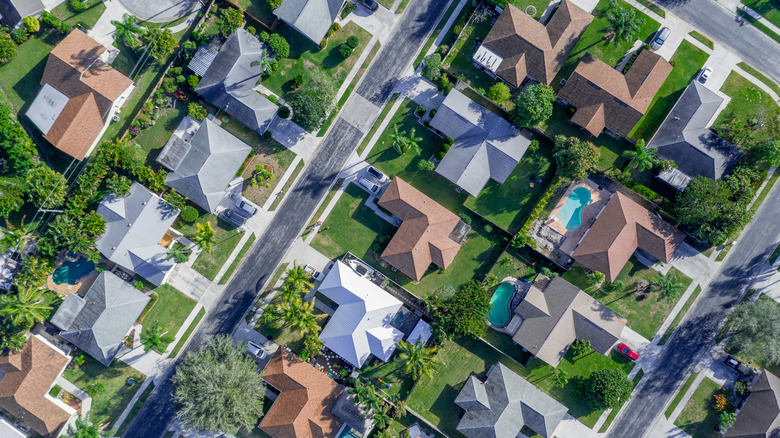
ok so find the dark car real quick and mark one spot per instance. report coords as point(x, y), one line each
point(626, 351)
point(740, 367)
point(376, 174)
point(231, 217)
point(370, 4)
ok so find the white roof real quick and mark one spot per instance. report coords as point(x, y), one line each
point(361, 324)
point(421, 333)
point(46, 107)
point(487, 58)
point(8, 431)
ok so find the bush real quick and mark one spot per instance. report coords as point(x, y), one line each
point(138, 284)
point(348, 9)
point(31, 23)
point(420, 110)
point(466, 219)
point(425, 165)
point(274, 3)
point(197, 111)
point(284, 112)
point(251, 30)
point(169, 85)
point(444, 147)
point(299, 80)
point(444, 82)
point(440, 154)
point(264, 36)
point(353, 41)
point(77, 6)
point(267, 135)
point(154, 297)
point(279, 45)
point(189, 214)
point(345, 51)
point(433, 113)
point(432, 67)
point(448, 140)
point(499, 92)
point(324, 43)
point(273, 98)
point(180, 79)
point(19, 35)
point(175, 71)
point(193, 81)
point(333, 29)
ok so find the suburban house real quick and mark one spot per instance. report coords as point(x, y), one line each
point(361, 324)
point(502, 403)
point(204, 164)
point(760, 415)
point(312, 18)
point(12, 11)
point(518, 46)
point(429, 234)
point(229, 78)
point(686, 139)
point(607, 99)
point(136, 227)
point(26, 377)
point(486, 146)
point(79, 95)
point(554, 313)
point(622, 227)
point(98, 322)
point(310, 404)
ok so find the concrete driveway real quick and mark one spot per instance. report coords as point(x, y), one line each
point(159, 11)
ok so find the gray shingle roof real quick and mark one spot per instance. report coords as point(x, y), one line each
point(103, 317)
point(312, 18)
point(202, 168)
point(760, 415)
point(486, 146)
point(514, 403)
point(135, 225)
point(230, 79)
point(685, 137)
point(14, 10)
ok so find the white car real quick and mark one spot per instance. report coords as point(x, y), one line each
point(244, 207)
point(704, 74)
point(371, 187)
point(256, 350)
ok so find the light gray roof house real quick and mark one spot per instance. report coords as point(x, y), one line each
point(230, 80)
point(98, 322)
point(486, 146)
point(312, 18)
point(686, 139)
point(202, 168)
point(503, 404)
point(135, 225)
point(12, 11)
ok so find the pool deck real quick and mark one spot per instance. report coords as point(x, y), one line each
point(63, 289)
point(598, 198)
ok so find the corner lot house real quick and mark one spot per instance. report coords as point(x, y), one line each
point(686, 139)
point(12, 11)
point(98, 322)
point(486, 146)
point(518, 46)
point(79, 95)
point(203, 164)
point(429, 234)
point(501, 404)
point(26, 377)
point(606, 99)
point(760, 415)
point(312, 18)
point(135, 227)
point(229, 77)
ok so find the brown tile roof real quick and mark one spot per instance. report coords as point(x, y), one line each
point(424, 236)
point(621, 228)
point(606, 98)
point(303, 409)
point(529, 48)
point(91, 94)
point(29, 375)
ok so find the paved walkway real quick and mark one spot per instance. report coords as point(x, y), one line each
point(103, 31)
point(159, 11)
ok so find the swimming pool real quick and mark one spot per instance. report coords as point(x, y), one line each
point(570, 213)
point(499, 304)
point(71, 272)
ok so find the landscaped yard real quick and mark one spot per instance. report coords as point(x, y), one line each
point(687, 61)
point(397, 426)
point(154, 138)
point(285, 336)
point(88, 17)
point(20, 77)
point(169, 311)
point(392, 372)
point(260, 9)
point(459, 61)
point(225, 240)
point(699, 418)
point(645, 312)
point(747, 102)
point(109, 403)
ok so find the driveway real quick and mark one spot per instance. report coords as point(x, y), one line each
point(160, 11)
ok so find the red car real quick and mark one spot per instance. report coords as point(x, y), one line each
point(626, 351)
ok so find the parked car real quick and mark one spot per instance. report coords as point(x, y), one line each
point(371, 187)
point(376, 174)
point(232, 218)
point(626, 351)
point(740, 367)
point(246, 207)
point(704, 74)
point(315, 274)
point(660, 38)
point(256, 350)
point(370, 4)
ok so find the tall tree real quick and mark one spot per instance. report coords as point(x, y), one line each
point(16, 238)
point(298, 278)
point(642, 157)
point(623, 21)
point(84, 429)
point(755, 331)
point(574, 157)
point(204, 236)
point(161, 42)
point(418, 359)
point(605, 388)
point(311, 104)
point(462, 313)
point(533, 105)
point(230, 20)
point(24, 308)
point(128, 30)
point(48, 187)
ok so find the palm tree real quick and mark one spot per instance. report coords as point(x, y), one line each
point(381, 418)
point(361, 391)
point(418, 359)
point(25, 308)
point(84, 429)
point(204, 236)
point(643, 158)
point(623, 21)
point(399, 140)
point(128, 30)
point(16, 238)
point(178, 252)
point(305, 321)
point(33, 273)
point(156, 338)
point(265, 61)
point(298, 278)
point(669, 286)
point(413, 143)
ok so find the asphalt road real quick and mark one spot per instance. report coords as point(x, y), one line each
point(411, 32)
point(697, 333)
point(753, 46)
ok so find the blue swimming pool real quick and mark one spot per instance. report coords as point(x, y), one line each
point(499, 304)
point(570, 213)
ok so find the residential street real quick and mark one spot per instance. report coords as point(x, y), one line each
point(753, 46)
point(696, 334)
point(357, 116)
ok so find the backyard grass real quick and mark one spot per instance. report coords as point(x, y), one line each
point(187, 333)
point(392, 372)
point(287, 186)
point(134, 410)
point(376, 124)
point(512, 264)
point(437, 30)
point(747, 102)
point(760, 76)
point(395, 427)
point(225, 240)
point(126, 60)
point(508, 205)
point(539, 5)
point(20, 77)
point(504, 342)
point(687, 61)
point(285, 336)
point(645, 312)
point(170, 311)
point(258, 9)
point(769, 9)
point(702, 39)
point(459, 61)
point(154, 138)
point(680, 394)
point(88, 17)
point(321, 209)
point(676, 321)
point(109, 403)
point(699, 418)
point(241, 253)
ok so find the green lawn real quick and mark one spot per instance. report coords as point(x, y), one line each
point(127, 58)
point(134, 410)
point(321, 209)
point(687, 61)
point(258, 9)
point(285, 336)
point(392, 372)
point(680, 394)
point(109, 403)
point(459, 61)
point(645, 312)
point(702, 39)
point(760, 76)
point(770, 9)
point(188, 332)
point(225, 240)
point(512, 264)
point(395, 427)
point(88, 17)
point(434, 398)
point(539, 5)
point(170, 311)
point(508, 205)
point(241, 253)
point(747, 102)
point(699, 418)
point(21, 76)
point(154, 138)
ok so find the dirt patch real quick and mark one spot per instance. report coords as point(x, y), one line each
point(256, 194)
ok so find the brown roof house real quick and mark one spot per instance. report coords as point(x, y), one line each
point(79, 94)
point(429, 234)
point(518, 46)
point(310, 404)
point(555, 313)
point(25, 380)
point(621, 228)
point(607, 99)
point(760, 415)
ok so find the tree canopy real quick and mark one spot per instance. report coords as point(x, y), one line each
point(534, 105)
point(623, 20)
point(162, 42)
point(755, 330)
point(574, 157)
point(605, 388)
point(312, 103)
point(462, 313)
point(432, 67)
point(499, 92)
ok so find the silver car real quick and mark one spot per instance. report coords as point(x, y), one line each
point(660, 38)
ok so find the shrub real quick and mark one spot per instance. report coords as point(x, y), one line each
point(264, 36)
point(425, 165)
point(279, 45)
point(432, 67)
point(77, 6)
point(345, 51)
point(169, 85)
point(251, 30)
point(333, 29)
point(448, 140)
point(284, 112)
point(180, 79)
point(443, 49)
point(376, 247)
point(175, 71)
point(382, 239)
point(138, 284)
point(31, 23)
point(444, 147)
point(267, 135)
point(189, 214)
point(440, 154)
point(353, 41)
point(324, 43)
point(348, 9)
point(274, 3)
point(444, 82)
point(420, 110)
point(433, 112)
point(499, 92)
point(465, 218)
point(154, 298)
point(197, 111)
point(19, 35)
point(193, 81)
